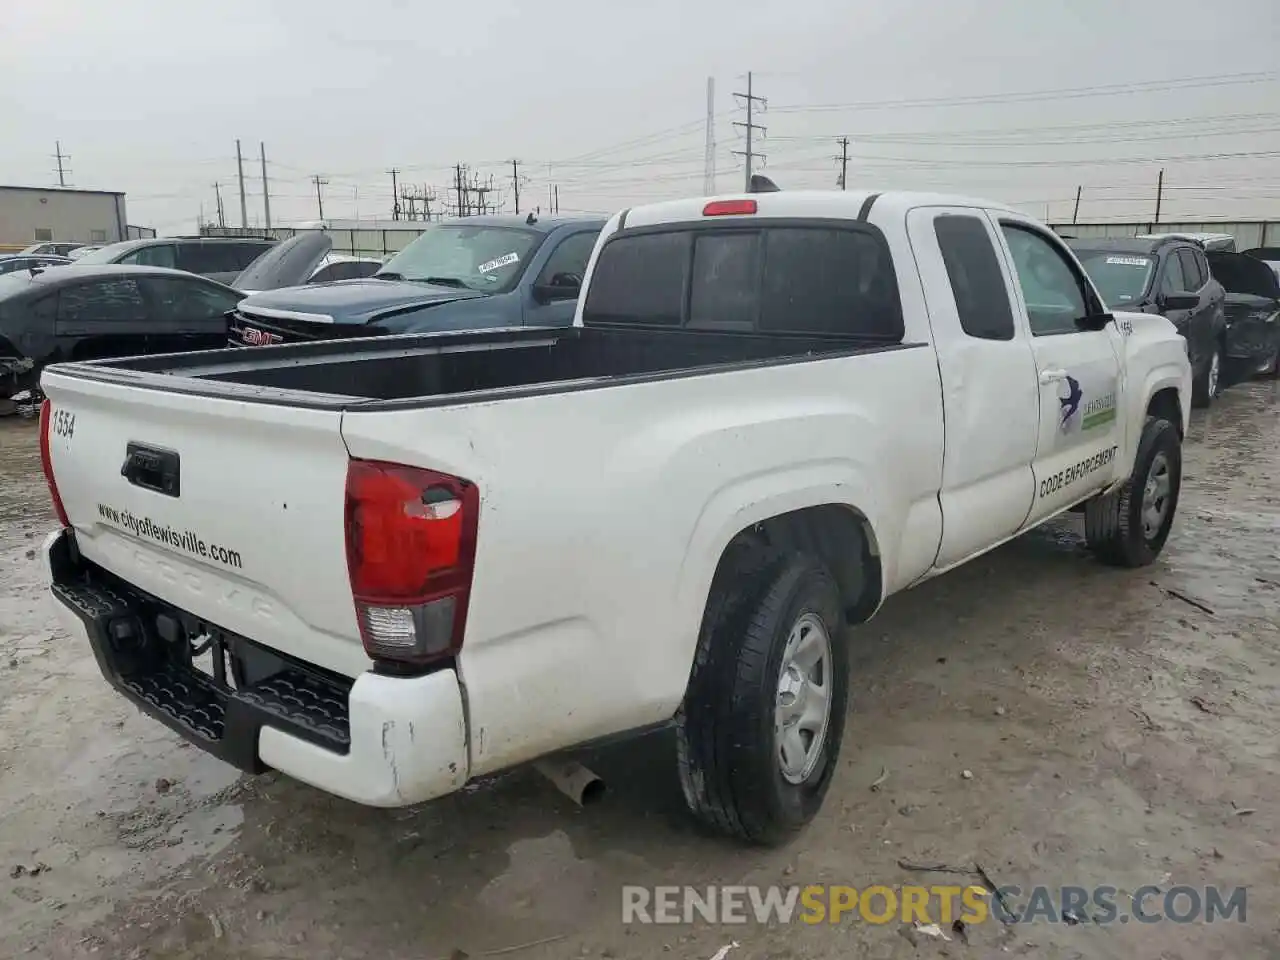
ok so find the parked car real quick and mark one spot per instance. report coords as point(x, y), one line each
point(1217, 242)
point(275, 267)
point(82, 312)
point(442, 555)
point(24, 262)
point(1168, 275)
point(500, 271)
point(55, 248)
point(218, 258)
point(1268, 255)
point(1252, 311)
point(87, 249)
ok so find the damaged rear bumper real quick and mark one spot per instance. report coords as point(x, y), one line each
point(378, 740)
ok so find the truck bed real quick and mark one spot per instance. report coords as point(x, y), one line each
point(438, 369)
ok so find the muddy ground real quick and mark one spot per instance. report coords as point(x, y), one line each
point(1115, 732)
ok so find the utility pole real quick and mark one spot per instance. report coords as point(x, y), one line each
point(395, 194)
point(222, 218)
point(1075, 214)
point(515, 182)
point(844, 162)
point(709, 158)
point(1159, 195)
point(461, 189)
point(556, 209)
point(266, 192)
point(244, 209)
point(482, 204)
point(60, 156)
point(319, 181)
point(749, 154)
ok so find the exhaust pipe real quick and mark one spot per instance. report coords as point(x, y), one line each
point(573, 780)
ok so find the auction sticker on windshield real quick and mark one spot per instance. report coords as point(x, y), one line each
point(1128, 261)
point(502, 261)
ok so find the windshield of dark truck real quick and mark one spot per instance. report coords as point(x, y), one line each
point(1121, 278)
point(485, 258)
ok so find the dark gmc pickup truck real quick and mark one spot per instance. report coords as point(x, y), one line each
point(479, 272)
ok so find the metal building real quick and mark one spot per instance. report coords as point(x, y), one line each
point(33, 214)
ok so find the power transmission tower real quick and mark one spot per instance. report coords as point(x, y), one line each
point(709, 161)
point(395, 194)
point(319, 181)
point(459, 185)
point(244, 209)
point(482, 202)
point(222, 217)
point(748, 155)
point(59, 156)
point(844, 162)
point(266, 191)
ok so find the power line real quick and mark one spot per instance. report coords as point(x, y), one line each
point(1065, 93)
point(748, 155)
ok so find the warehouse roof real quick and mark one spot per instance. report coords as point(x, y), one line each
point(100, 193)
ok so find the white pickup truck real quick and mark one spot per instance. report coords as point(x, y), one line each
point(386, 567)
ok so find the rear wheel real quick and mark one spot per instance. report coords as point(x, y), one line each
point(761, 725)
point(1129, 528)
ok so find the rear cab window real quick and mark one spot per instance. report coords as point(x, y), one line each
point(802, 278)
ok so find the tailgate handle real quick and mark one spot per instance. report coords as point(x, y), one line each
point(152, 469)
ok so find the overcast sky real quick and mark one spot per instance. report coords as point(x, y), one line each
point(1021, 100)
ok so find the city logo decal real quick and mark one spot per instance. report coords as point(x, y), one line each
point(1070, 403)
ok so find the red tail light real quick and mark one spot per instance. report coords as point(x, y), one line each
point(725, 208)
point(46, 463)
point(411, 546)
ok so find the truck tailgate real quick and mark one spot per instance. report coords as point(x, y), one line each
point(232, 511)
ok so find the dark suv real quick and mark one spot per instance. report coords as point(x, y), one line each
point(1169, 276)
point(218, 258)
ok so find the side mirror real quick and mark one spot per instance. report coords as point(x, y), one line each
point(1095, 321)
point(562, 286)
point(1180, 301)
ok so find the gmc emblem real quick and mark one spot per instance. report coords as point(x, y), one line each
point(259, 338)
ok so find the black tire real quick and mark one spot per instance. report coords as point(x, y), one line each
point(729, 762)
point(1201, 394)
point(1114, 523)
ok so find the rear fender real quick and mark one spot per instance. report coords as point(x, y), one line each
point(753, 500)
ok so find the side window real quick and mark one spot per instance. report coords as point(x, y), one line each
point(199, 258)
point(326, 273)
point(982, 300)
point(1174, 277)
point(1051, 289)
point(157, 255)
point(359, 269)
point(639, 279)
point(179, 299)
point(1191, 269)
point(105, 301)
point(570, 257)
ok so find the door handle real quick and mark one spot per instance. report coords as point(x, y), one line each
point(1052, 376)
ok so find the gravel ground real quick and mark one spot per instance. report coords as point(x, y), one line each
point(1118, 728)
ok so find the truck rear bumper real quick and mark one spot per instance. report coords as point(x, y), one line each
point(380, 741)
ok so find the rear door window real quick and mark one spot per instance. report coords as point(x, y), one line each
point(117, 300)
point(982, 300)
